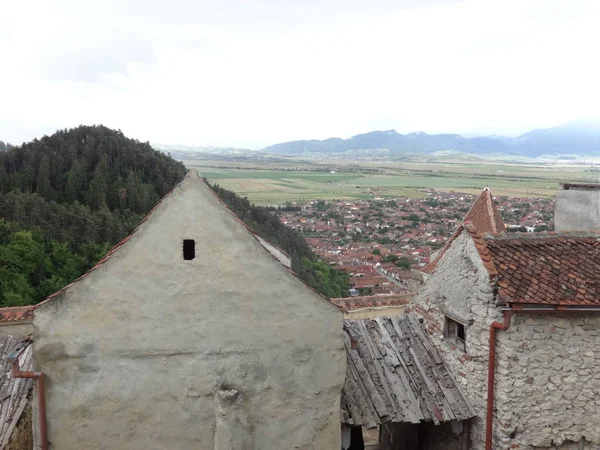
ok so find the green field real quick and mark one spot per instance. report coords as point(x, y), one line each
point(269, 184)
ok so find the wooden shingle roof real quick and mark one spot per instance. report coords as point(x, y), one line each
point(14, 392)
point(394, 374)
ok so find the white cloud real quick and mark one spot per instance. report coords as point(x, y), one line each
point(244, 73)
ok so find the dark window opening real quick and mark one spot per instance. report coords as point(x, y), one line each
point(189, 249)
point(460, 332)
point(455, 332)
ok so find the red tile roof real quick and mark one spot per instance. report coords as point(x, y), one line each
point(17, 314)
point(483, 216)
point(551, 269)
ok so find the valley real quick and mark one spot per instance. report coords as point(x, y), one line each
point(280, 181)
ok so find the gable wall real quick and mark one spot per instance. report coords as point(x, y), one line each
point(226, 351)
point(460, 286)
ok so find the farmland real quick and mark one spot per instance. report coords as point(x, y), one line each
point(277, 183)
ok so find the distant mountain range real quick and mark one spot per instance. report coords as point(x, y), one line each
point(573, 138)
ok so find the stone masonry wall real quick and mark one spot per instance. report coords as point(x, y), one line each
point(547, 370)
point(548, 382)
point(460, 287)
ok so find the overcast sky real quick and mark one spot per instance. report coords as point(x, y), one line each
point(255, 72)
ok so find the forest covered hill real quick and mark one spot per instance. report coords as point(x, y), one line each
point(67, 198)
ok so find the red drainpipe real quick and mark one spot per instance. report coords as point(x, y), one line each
point(41, 395)
point(491, 376)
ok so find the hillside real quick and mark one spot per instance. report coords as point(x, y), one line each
point(66, 198)
point(581, 138)
point(317, 274)
point(395, 142)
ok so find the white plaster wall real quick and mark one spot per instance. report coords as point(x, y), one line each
point(577, 210)
point(548, 382)
point(460, 286)
point(22, 328)
point(145, 351)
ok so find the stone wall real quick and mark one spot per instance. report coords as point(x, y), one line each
point(548, 382)
point(548, 366)
point(460, 287)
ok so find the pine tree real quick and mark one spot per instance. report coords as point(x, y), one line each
point(99, 185)
point(42, 184)
point(75, 181)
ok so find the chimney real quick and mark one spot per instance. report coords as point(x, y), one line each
point(577, 207)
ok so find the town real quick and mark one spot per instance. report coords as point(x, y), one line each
point(382, 243)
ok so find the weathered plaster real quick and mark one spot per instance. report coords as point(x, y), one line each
point(17, 328)
point(577, 210)
point(138, 353)
point(373, 312)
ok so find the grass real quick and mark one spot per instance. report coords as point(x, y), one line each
point(268, 184)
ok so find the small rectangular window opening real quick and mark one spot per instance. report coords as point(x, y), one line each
point(455, 332)
point(189, 249)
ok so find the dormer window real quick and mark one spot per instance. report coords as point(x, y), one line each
point(189, 249)
point(455, 332)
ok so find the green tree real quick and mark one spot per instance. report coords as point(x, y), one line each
point(99, 185)
point(75, 181)
point(42, 184)
point(403, 263)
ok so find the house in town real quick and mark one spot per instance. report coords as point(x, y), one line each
point(516, 319)
point(174, 340)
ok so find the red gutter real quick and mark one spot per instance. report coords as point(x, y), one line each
point(41, 393)
point(491, 376)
